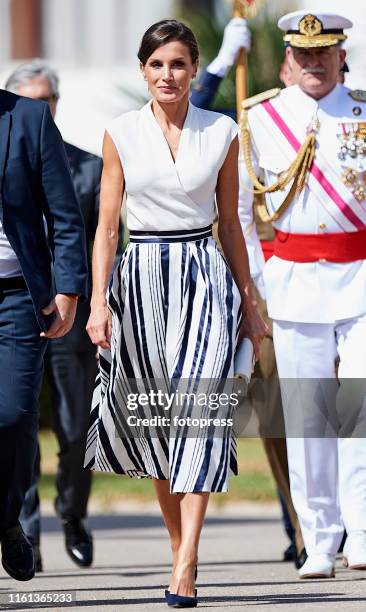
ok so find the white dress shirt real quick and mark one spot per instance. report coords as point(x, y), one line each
point(9, 264)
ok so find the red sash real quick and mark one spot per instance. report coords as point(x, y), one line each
point(267, 248)
point(337, 248)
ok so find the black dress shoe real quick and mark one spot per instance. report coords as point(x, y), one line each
point(17, 554)
point(344, 538)
point(78, 542)
point(37, 558)
point(301, 558)
point(289, 554)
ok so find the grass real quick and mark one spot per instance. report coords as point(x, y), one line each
point(254, 483)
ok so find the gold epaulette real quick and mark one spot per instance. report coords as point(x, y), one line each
point(265, 95)
point(359, 95)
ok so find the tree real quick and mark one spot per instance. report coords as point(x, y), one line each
point(194, 5)
point(264, 59)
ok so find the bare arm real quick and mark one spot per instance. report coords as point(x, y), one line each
point(105, 243)
point(233, 244)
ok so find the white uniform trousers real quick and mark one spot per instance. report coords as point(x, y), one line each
point(327, 473)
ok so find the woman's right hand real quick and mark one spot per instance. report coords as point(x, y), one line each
point(253, 327)
point(99, 326)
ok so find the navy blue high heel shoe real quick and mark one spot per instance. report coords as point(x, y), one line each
point(189, 602)
point(180, 601)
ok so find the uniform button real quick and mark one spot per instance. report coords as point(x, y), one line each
point(322, 226)
point(322, 260)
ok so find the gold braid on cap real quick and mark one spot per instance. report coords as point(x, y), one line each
point(297, 172)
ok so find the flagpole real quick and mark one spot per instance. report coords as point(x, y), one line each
point(241, 68)
point(244, 9)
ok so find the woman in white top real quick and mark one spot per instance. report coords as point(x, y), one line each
point(171, 318)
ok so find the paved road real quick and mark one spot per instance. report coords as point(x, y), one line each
point(240, 567)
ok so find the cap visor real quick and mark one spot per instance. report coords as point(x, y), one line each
point(308, 42)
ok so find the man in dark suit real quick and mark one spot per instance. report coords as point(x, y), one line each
point(41, 278)
point(70, 361)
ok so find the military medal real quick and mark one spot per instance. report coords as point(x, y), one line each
point(355, 181)
point(352, 137)
point(360, 191)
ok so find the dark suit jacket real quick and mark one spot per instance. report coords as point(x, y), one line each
point(86, 170)
point(205, 90)
point(36, 183)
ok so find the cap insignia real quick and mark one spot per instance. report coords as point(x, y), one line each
point(310, 26)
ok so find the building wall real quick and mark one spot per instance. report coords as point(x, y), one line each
point(89, 32)
point(4, 30)
point(98, 32)
point(93, 45)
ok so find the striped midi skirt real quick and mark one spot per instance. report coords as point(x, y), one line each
point(175, 317)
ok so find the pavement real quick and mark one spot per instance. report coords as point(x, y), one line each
point(240, 567)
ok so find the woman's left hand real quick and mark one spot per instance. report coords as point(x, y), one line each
point(253, 327)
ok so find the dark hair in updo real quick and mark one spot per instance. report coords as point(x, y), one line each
point(164, 32)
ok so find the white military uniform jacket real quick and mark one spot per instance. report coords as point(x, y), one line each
point(320, 291)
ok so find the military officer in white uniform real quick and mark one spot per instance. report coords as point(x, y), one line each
point(308, 145)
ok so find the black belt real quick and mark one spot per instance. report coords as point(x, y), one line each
point(13, 282)
point(171, 236)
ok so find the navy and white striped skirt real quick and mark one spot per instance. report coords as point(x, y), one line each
point(175, 316)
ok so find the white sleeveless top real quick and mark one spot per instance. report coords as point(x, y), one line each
point(163, 195)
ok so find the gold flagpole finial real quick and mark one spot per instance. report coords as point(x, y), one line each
point(247, 8)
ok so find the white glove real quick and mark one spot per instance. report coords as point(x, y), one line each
point(236, 37)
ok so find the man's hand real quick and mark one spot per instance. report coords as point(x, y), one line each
point(236, 37)
point(64, 307)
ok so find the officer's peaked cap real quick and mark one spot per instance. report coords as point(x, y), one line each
point(306, 29)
